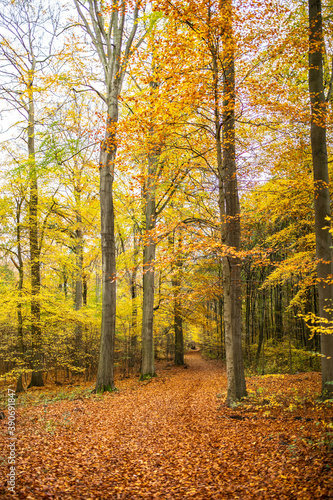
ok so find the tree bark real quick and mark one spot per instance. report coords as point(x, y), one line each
point(105, 374)
point(78, 282)
point(134, 325)
point(148, 367)
point(262, 319)
point(279, 333)
point(178, 320)
point(229, 210)
point(108, 39)
point(179, 336)
point(321, 191)
point(36, 333)
point(20, 268)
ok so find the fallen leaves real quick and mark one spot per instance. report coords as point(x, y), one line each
point(169, 440)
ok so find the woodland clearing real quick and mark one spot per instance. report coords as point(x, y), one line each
point(173, 437)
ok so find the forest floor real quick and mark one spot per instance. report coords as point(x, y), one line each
point(173, 438)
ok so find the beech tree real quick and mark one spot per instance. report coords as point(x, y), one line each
point(177, 243)
point(230, 211)
point(107, 29)
point(25, 55)
point(214, 32)
point(321, 191)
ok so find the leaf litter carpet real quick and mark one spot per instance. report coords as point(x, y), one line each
point(174, 438)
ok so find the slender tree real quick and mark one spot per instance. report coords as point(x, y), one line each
point(149, 252)
point(321, 191)
point(25, 55)
point(177, 308)
point(230, 215)
point(106, 27)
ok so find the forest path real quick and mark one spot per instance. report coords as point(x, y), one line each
point(169, 438)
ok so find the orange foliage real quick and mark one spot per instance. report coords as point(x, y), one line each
point(170, 438)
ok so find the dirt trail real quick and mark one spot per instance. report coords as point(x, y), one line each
point(169, 438)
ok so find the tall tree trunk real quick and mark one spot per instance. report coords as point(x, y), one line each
point(321, 191)
point(279, 333)
point(113, 48)
point(178, 320)
point(65, 282)
point(105, 374)
point(19, 266)
point(148, 367)
point(149, 251)
point(262, 320)
point(178, 325)
point(221, 324)
point(78, 284)
point(248, 311)
point(229, 211)
point(36, 333)
point(134, 325)
point(84, 289)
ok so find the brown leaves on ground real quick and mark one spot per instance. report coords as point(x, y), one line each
point(174, 438)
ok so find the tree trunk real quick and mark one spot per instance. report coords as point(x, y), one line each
point(149, 251)
point(84, 289)
point(113, 48)
point(321, 191)
point(178, 325)
point(78, 285)
point(105, 374)
point(262, 319)
point(148, 368)
point(134, 326)
point(36, 333)
point(178, 320)
point(248, 311)
point(229, 211)
point(19, 383)
point(279, 333)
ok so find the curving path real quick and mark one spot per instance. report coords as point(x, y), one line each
point(166, 439)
